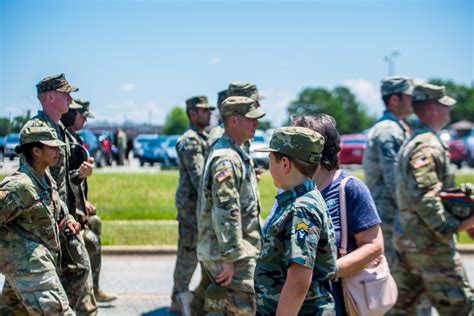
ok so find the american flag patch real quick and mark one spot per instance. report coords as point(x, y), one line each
point(420, 162)
point(224, 174)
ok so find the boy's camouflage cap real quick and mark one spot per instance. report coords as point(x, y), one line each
point(243, 89)
point(83, 107)
point(298, 142)
point(426, 91)
point(199, 102)
point(40, 133)
point(392, 85)
point(55, 83)
point(241, 106)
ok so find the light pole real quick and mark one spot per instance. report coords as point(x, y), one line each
point(390, 60)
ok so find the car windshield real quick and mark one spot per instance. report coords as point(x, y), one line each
point(172, 143)
point(156, 142)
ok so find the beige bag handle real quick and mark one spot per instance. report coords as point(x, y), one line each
point(343, 214)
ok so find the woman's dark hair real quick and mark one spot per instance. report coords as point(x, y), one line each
point(27, 150)
point(326, 126)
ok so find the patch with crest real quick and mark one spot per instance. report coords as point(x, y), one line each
point(301, 231)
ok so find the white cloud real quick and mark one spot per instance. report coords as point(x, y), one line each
point(128, 87)
point(275, 104)
point(368, 93)
point(215, 60)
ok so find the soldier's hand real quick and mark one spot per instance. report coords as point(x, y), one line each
point(90, 208)
point(466, 224)
point(259, 173)
point(86, 168)
point(74, 226)
point(225, 277)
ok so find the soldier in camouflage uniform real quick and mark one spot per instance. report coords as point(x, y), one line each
point(54, 96)
point(32, 217)
point(217, 131)
point(74, 120)
point(229, 216)
point(192, 150)
point(298, 257)
point(430, 262)
point(384, 141)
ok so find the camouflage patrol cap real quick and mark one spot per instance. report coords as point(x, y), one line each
point(55, 83)
point(427, 92)
point(84, 108)
point(392, 85)
point(39, 133)
point(221, 96)
point(298, 142)
point(199, 102)
point(243, 89)
point(241, 106)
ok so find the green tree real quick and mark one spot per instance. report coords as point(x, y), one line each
point(264, 125)
point(464, 108)
point(176, 121)
point(340, 103)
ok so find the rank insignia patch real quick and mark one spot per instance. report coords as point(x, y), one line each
point(301, 231)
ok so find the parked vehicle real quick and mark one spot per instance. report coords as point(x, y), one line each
point(140, 141)
point(152, 151)
point(169, 146)
point(11, 141)
point(352, 149)
point(106, 140)
point(260, 158)
point(457, 147)
point(92, 144)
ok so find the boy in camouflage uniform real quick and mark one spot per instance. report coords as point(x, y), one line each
point(192, 148)
point(32, 217)
point(298, 257)
point(430, 262)
point(384, 141)
point(229, 217)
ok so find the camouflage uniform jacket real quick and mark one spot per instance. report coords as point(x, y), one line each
point(229, 205)
point(78, 185)
point(215, 133)
point(60, 170)
point(423, 171)
point(192, 150)
point(29, 217)
point(300, 231)
point(383, 145)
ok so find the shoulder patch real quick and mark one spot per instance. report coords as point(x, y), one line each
point(3, 194)
point(301, 231)
point(223, 175)
point(420, 159)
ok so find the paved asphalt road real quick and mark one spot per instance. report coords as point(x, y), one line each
point(144, 283)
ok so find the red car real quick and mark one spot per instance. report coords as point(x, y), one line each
point(352, 149)
point(457, 150)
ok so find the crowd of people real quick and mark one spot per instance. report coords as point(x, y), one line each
point(291, 264)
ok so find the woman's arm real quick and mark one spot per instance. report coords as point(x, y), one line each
point(295, 289)
point(369, 247)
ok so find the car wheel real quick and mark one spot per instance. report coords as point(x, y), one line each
point(142, 163)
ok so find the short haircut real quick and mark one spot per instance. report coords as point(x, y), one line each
point(386, 98)
point(305, 167)
point(326, 126)
point(419, 107)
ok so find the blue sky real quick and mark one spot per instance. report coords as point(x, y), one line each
point(136, 60)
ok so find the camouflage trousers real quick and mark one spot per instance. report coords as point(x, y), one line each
point(435, 271)
point(32, 286)
point(186, 261)
point(389, 216)
point(93, 242)
point(240, 294)
point(76, 276)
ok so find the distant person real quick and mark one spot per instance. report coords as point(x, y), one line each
point(192, 148)
point(217, 131)
point(298, 256)
point(430, 263)
point(121, 146)
point(365, 241)
point(86, 212)
point(229, 236)
point(31, 218)
point(54, 96)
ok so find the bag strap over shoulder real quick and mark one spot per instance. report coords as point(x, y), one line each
point(343, 214)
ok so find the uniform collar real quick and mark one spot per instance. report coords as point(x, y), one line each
point(203, 133)
point(44, 182)
point(422, 128)
point(237, 147)
point(387, 115)
point(290, 195)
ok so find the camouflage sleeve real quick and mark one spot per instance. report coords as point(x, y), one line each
point(424, 185)
point(15, 198)
point(193, 160)
point(303, 232)
point(388, 155)
point(67, 217)
point(226, 219)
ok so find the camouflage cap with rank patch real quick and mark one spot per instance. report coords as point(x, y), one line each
point(392, 85)
point(243, 89)
point(83, 108)
point(199, 102)
point(298, 142)
point(241, 106)
point(38, 133)
point(431, 92)
point(55, 83)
